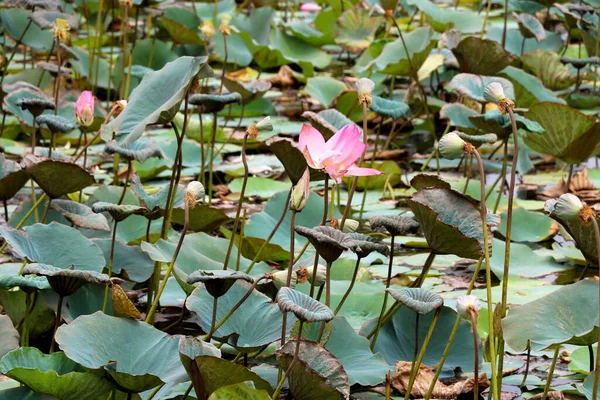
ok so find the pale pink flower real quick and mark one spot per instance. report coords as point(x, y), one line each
point(84, 109)
point(310, 7)
point(338, 155)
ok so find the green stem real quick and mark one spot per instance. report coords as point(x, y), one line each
point(485, 19)
point(288, 279)
point(526, 365)
point(57, 323)
point(46, 210)
point(25, 331)
point(473, 315)
point(421, 354)
point(110, 263)
point(212, 154)
point(551, 373)
point(58, 76)
point(385, 296)
point(202, 156)
point(289, 369)
point(597, 369)
point(356, 267)
point(126, 182)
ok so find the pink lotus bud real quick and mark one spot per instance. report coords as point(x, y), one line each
point(84, 109)
point(310, 7)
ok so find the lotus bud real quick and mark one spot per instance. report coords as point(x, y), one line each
point(467, 304)
point(494, 93)
point(84, 109)
point(263, 125)
point(224, 27)
point(118, 107)
point(451, 146)
point(364, 87)
point(300, 192)
point(208, 29)
point(60, 30)
point(194, 193)
point(279, 279)
point(321, 275)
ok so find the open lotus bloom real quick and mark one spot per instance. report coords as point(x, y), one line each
point(338, 155)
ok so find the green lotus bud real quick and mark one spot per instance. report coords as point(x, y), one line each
point(300, 192)
point(494, 93)
point(467, 304)
point(451, 146)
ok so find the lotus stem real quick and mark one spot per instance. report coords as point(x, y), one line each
point(473, 316)
point(33, 137)
point(5, 211)
point(58, 62)
point(426, 267)
point(288, 279)
point(385, 296)
point(46, 210)
point(124, 50)
point(488, 274)
point(239, 253)
point(187, 392)
point(202, 156)
point(360, 162)
point(17, 44)
point(289, 369)
point(211, 158)
point(528, 359)
point(314, 275)
point(416, 367)
point(591, 354)
point(57, 323)
point(224, 63)
point(505, 23)
point(273, 231)
point(110, 56)
point(110, 263)
point(436, 152)
point(440, 364)
point(180, 319)
point(233, 309)
point(551, 373)
point(327, 297)
point(509, 217)
point(126, 182)
point(571, 167)
point(323, 220)
point(485, 19)
point(597, 369)
point(97, 34)
point(25, 331)
point(240, 204)
point(356, 267)
point(171, 265)
point(213, 320)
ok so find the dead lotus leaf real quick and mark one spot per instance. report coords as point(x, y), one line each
point(580, 184)
point(284, 78)
point(425, 376)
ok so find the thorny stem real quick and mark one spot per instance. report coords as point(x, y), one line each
point(488, 274)
point(171, 265)
point(339, 307)
point(289, 369)
point(57, 323)
point(440, 364)
point(385, 296)
point(551, 372)
point(239, 206)
point(597, 369)
point(421, 354)
point(110, 263)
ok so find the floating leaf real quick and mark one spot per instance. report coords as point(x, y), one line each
point(528, 89)
point(140, 150)
point(481, 56)
point(527, 226)
point(80, 215)
point(324, 89)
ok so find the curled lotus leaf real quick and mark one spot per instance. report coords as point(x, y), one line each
point(10, 278)
point(53, 68)
point(66, 281)
point(422, 301)
point(156, 202)
point(316, 374)
point(494, 121)
point(119, 211)
point(530, 26)
point(365, 245)
point(36, 106)
point(217, 282)
point(472, 86)
point(292, 159)
point(389, 108)
point(329, 242)
point(80, 215)
point(56, 123)
point(304, 307)
point(580, 62)
point(212, 103)
point(481, 56)
point(396, 225)
point(478, 140)
point(249, 90)
point(50, 176)
point(12, 178)
point(422, 181)
point(45, 19)
point(140, 150)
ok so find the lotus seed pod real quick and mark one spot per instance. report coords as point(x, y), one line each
point(467, 303)
point(280, 279)
point(118, 107)
point(300, 192)
point(364, 87)
point(350, 226)
point(451, 146)
point(194, 193)
point(321, 275)
point(494, 93)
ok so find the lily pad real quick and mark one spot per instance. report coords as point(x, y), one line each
point(135, 366)
point(389, 108)
point(45, 243)
point(132, 261)
point(472, 86)
point(529, 90)
point(80, 215)
point(324, 89)
point(528, 226)
point(328, 122)
point(14, 21)
point(244, 390)
point(554, 319)
point(53, 374)
point(530, 26)
point(481, 56)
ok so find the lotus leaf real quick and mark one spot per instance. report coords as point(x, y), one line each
point(292, 159)
point(328, 122)
point(422, 301)
point(217, 283)
point(445, 18)
point(49, 175)
point(9, 337)
point(56, 123)
point(481, 56)
point(396, 225)
point(356, 29)
point(329, 242)
point(131, 261)
point(10, 277)
point(119, 211)
point(530, 26)
point(389, 108)
point(135, 366)
point(140, 150)
point(472, 86)
point(66, 281)
point(215, 103)
point(45, 19)
point(244, 390)
point(304, 307)
point(324, 89)
point(249, 91)
point(12, 178)
point(365, 245)
point(15, 20)
point(80, 215)
point(529, 90)
point(527, 226)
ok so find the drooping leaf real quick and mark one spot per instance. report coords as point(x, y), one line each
point(66, 281)
point(304, 307)
point(50, 176)
point(244, 390)
point(420, 300)
point(481, 56)
point(140, 150)
point(530, 26)
point(119, 212)
point(12, 178)
point(80, 215)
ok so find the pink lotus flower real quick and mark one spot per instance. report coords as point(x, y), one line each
point(84, 109)
point(310, 7)
point(338, 155)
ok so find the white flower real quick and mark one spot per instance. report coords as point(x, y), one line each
point(466, 303)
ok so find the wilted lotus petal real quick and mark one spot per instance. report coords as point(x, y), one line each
point(421, 301)
point(396, 225)
point(217, 282)
point(304, 307)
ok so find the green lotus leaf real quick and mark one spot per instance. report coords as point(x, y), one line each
point(392, 58)
point(213, 103)
point(529, 90)
point(54, 374)
point(582, 234)
point(9, 337)
point(422, 301)
point(257, 322)
point(324, 89)
point(365, 245)
point(101, 69)
point(217, 283)
point(180, 33)
point(80, 215)
point(328, 122)
point(494, 121)
point(530, 26)
point(50, 176)
point(244, 390)
point(156, 202)
point(17, 94)
point(472, 86)
point(527, 226)
point(459, 116)
point(10, 277)
point(131, 261)
point(569, 135)
point(119, 212)
point(249, 90)
point(329, 242)
point(202, 218)
point(514, 41)
point(396, 225)
point(317, 374)
point(56, 123)
point(450, 221)
point(15, 20)
point(135, 366)
point(12, 178)
point(46, 19)
point(389, 108)
point(356, 29)
point(422, 181)
point(304, 307)
point(66, 281)
point(444, 18)
point(396, 340)
point(481, 56)
point(292, 159)
point(557, 318)
point(53, 68)
point(478, 140)
point(44, 244)
point(156, 99)
point(140, 150)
